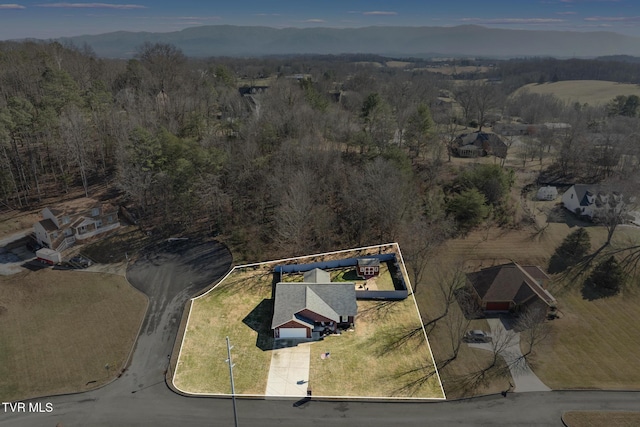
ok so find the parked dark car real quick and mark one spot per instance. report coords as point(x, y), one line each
point(79, 262)
point(476, 336)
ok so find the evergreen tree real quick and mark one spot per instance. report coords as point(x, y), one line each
point(573, 248)
point(608, 277)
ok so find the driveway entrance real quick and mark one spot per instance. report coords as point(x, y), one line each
point(523, 376)
point(289, 371)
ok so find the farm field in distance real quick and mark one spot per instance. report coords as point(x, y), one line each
point(592, 92)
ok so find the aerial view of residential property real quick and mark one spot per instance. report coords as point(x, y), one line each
point(337, 213)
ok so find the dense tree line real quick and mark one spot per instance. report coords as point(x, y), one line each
point(335, 153)
point(293, 170)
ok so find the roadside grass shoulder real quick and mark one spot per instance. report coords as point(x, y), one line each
point(601, 418)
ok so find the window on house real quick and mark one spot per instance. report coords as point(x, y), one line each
point(95, 211)
point(66, 219)
point(572, 196)
point(109, 219)
point(68, 232)
point(54, 235)
point(99, 223)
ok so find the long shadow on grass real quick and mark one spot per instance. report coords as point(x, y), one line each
point(259, 319)
point(399, 337)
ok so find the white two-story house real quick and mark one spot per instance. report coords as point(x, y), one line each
point(75, 220)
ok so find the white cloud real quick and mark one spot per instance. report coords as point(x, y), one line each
point(93, 6)
point(11, 6)
point(380, 12)
point(314, 21)
point(612, 18)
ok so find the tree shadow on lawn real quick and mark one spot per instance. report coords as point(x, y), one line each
point(259, 319)
point(398, 338)
point(348, 276)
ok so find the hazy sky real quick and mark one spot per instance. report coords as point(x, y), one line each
point(47, 19)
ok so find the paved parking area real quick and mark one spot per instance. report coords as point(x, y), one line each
point(289, 371)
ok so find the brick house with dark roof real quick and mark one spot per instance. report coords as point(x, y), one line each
point(511, 287)
point(78, 219)
point(479, 144)
point(314, 307)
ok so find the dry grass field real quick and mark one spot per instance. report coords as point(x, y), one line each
point(12, 222)
point(61, 328)
point(235, 308)
point(598, 419)
point(593, 92)
point(386, 355)
point(240, 307)
point(594, 344)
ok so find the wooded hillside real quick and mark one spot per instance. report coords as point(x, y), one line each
point(332, 154)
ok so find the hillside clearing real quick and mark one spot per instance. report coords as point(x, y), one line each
point(592, 92)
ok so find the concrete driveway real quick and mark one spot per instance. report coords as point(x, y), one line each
point(289, 371)
point(523, 376)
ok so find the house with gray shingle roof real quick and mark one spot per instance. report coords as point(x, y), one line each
point(314, 307)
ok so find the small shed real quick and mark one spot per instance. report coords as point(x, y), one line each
point(547, 193)
point(368, 267)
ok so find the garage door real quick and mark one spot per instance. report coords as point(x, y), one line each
point(293, 332)
point(498, 305)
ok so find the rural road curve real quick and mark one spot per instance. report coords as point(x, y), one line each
point(170, 274)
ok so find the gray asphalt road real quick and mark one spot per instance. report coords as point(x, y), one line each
point(172, 273)
point(157, 406)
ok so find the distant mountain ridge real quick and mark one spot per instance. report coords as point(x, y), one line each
point(465, 40)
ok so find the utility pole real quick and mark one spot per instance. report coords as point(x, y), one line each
point(233, 389)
